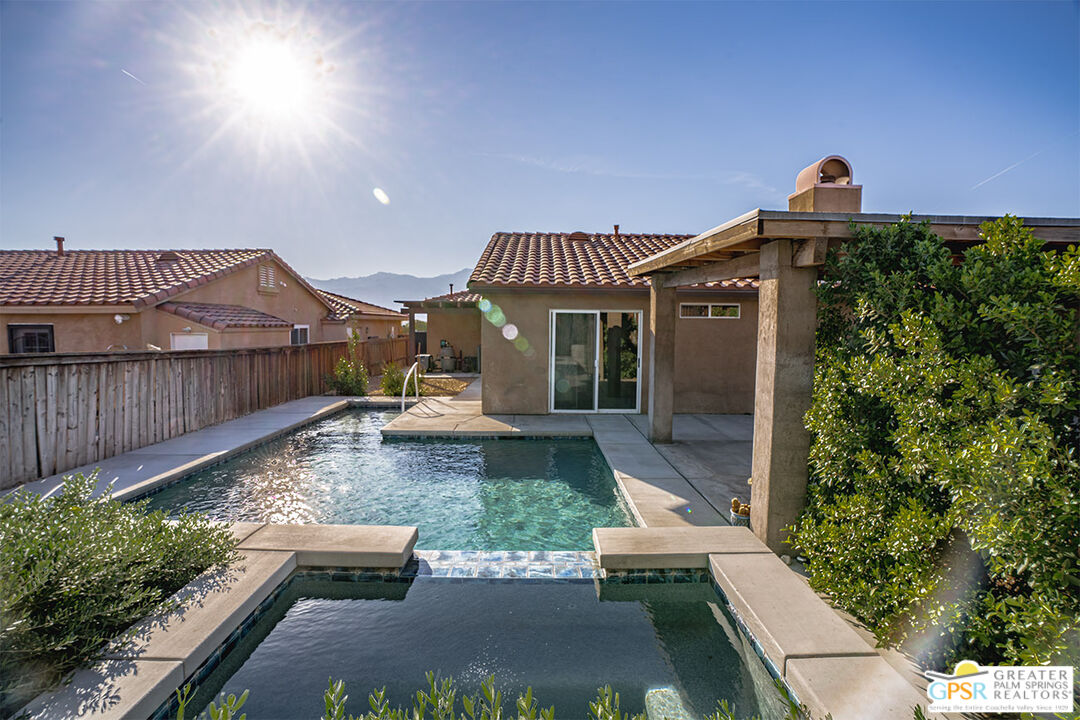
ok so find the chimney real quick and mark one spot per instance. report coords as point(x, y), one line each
point(59, 246)
point(825, 186)
point(451, 288)
point(616, 232)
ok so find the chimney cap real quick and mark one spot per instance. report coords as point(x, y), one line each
point(829, 170)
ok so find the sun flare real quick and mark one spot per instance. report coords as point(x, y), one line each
point(270, 80)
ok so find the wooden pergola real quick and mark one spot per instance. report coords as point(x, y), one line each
point(785, 250)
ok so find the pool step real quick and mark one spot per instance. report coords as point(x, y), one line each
point(357, 546)
point(653, 548)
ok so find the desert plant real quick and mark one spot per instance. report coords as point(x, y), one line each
point(943, 495)
point(350, 377)
point(76, 571)
point(393, 380)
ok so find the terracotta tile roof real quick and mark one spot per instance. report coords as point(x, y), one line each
point(573, 260)
point(343, 307)
point(112, 277)
point(220, 317)
point(462, 298)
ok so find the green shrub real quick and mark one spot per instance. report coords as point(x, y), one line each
point(440, 699)
point(76, 571)
point(943, 494)
point(393, 378)
point(350, 376)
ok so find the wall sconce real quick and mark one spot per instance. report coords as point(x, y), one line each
point(187, 329)
point(120, 319)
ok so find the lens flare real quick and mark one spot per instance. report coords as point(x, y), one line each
point(510, 331)
point(381, 196)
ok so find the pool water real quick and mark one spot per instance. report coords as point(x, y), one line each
point(506, 494)
point(675, 640)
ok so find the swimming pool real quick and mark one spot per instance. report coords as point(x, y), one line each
point(669, 646)
point(505, 494)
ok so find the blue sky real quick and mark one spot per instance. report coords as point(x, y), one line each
point(120, 127)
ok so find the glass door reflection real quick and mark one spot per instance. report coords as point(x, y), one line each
point(574, 361)
point(618, 365)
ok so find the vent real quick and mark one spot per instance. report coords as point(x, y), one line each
point(267, 276)
point(578, 236)
point(167, 256)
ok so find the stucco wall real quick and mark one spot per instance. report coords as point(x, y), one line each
point(81, 332)
point(716, 358)
point(293, 302)
point(164, 324)
point(714, 361)
point(375, 327)
point(458, 326)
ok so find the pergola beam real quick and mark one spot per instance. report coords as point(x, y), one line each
point(810, 253)
point(749, 231)
point(740, 267)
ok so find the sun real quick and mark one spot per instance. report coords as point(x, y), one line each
point(279, 87)
point(269, 79)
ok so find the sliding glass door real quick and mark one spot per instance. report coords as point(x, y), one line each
point(595, 361)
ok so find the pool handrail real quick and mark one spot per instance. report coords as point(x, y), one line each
point(414, 373)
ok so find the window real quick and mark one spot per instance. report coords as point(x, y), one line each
point(30, 339)
point(299, 335)
point(724, 311)
point(711, 310)
point(687, 310)
point(267, 278)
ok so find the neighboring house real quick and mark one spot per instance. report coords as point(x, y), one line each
point(364, 319)
point(98, 300)
point(566, 328)
point(453, 325)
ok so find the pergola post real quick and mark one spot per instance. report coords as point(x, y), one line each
point(412, 338)
point(661, 358)
point(787, 321)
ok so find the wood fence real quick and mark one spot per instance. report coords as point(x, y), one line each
point(377, 353)
point(60, 411)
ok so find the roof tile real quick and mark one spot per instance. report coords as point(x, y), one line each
point(110, 277)
point(554, 260)
point(343, 307)
point(223, 316)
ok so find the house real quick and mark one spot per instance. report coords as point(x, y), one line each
point(565, 328)
point(364, 319)
point(453, 326)
point(100, 300)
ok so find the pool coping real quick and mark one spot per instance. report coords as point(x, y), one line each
point(817, 657)
point(137, 680)
point(277, 421)
point(137, 676)
point(661, 500)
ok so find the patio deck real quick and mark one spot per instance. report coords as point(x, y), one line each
point(688, 482)
point(138, 471)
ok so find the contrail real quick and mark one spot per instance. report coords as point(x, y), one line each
point(132, 76)
point(1002, 172)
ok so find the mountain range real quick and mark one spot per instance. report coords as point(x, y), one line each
point(385, 289)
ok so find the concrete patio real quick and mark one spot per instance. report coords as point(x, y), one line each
point(688, 482)
point(138, 471)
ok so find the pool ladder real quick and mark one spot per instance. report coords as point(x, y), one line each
point(414, 373)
